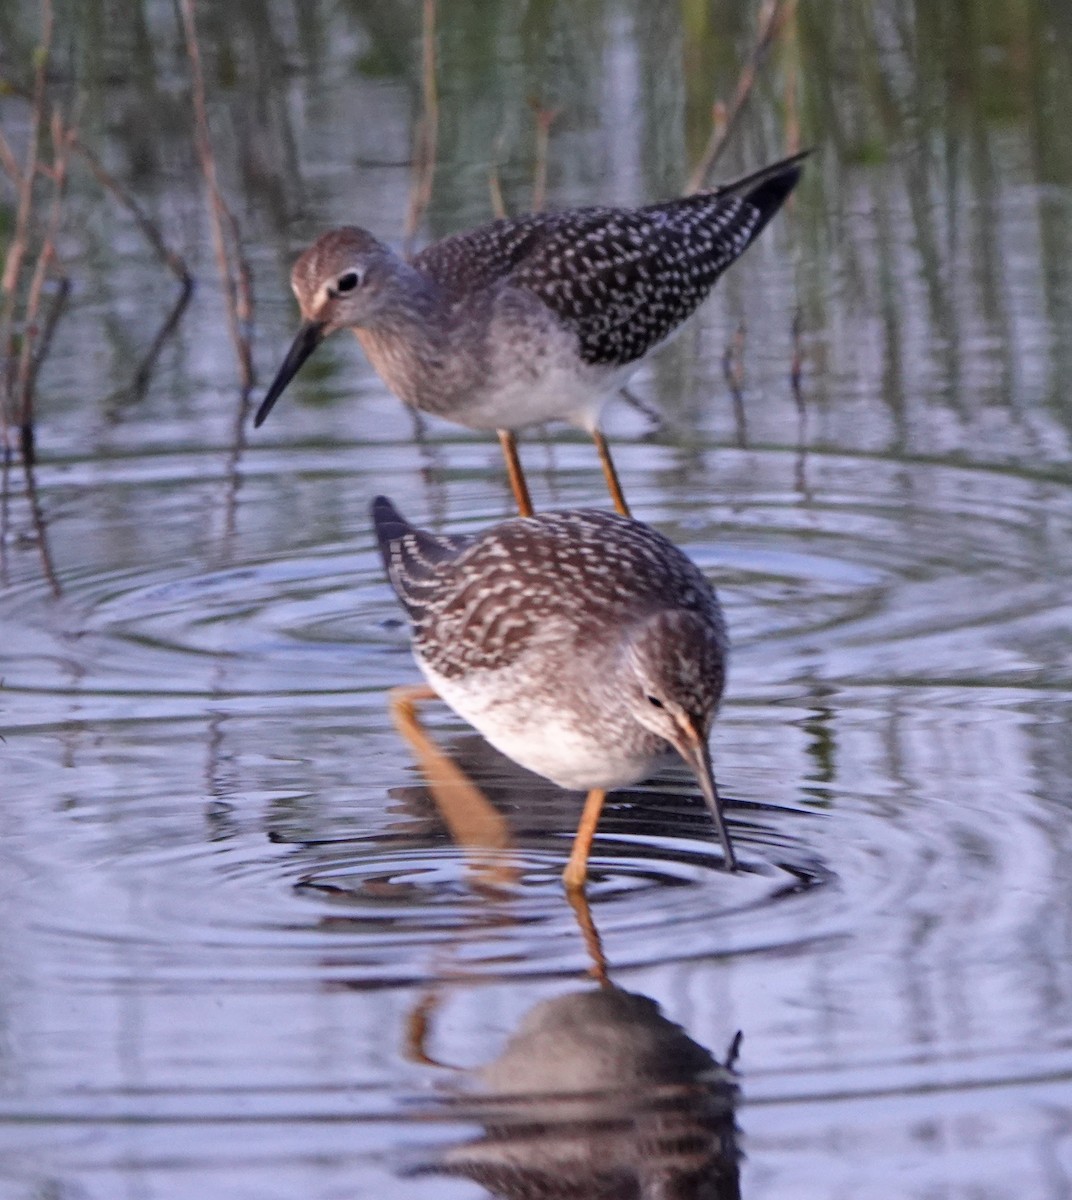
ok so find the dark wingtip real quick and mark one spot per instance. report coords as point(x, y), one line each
point(768, 188)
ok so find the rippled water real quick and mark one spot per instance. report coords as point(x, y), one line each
point(239, 954)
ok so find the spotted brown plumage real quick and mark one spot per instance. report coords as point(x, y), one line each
point(583, 644)
point(621, 279)
point(530, 319)
point(477, 602)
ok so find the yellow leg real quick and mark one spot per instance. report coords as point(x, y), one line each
point(403, 702)
point(513, 469)
point(576, 871)
point(593, 944)
point(418, 1028)
point(471, 820)
point(610, 474)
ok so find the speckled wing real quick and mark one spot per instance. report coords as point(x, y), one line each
point(622, 279)
point(480, 258)
point(625, 279)
point(581, 573)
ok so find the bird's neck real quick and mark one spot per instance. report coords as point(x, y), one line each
point(408, 341)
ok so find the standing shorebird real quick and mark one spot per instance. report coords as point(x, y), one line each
point(532, 319)
point(583, 645)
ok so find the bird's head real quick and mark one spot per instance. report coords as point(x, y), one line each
point(677, 662)
point(342, 281)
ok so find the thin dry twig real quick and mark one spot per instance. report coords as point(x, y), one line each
point(143, 372)
point(796, 377)
point(498, 203)
point(28, 360)
point(40, 528)
point(149, 228)
point(545, 118)
point(230, 259)
point(427, 140)
point(17, 248)
point(772, 19)
point(637, 402)
point(19, 245)
point(791, 86)
point(29, 311)
point(733, 369)
point(56, 309)
point(796, 370)
point(14, 365)
point(232, 264)
point(174, 262)
point(37, 337)
point(9, 162)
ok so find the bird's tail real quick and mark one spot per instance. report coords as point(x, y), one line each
point(411, 555)
point(768, 187)
point(759, 196)
point(763, 192)
point(389, 523)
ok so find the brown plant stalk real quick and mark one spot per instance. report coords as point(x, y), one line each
point(227, 243)
point(19, 244)
point(28, 359)
point(427, 139)
point(20, 362)
point(174, 262)
point(772, 19)
point(733, 370)
point(545, 118)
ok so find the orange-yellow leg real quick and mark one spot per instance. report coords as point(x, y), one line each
point(417, 1029)
point(471, 820)
point(513, 469)
point(592, 942)
point(403, 703)
point(576, 871)
point(610, 474)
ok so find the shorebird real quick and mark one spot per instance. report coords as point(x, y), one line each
point(598, 1094)
point(582, 644)
point(529, 319)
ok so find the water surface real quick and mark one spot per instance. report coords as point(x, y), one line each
point(239, 955)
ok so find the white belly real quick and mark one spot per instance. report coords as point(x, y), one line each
point(542, 737)
point(554, 392)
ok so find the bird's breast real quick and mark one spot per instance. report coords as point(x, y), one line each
point(551, 729)
point(504, 363)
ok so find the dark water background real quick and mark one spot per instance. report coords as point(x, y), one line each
point(227, 904)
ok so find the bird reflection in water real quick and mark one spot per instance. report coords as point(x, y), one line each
point(598, 1095)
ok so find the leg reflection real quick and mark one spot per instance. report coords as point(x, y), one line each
point(470, 818)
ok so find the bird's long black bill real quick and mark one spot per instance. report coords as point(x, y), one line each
point(698, 757)
point(309, 337)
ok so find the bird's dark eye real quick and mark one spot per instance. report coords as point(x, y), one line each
point(347, 282)
point(655, 702)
